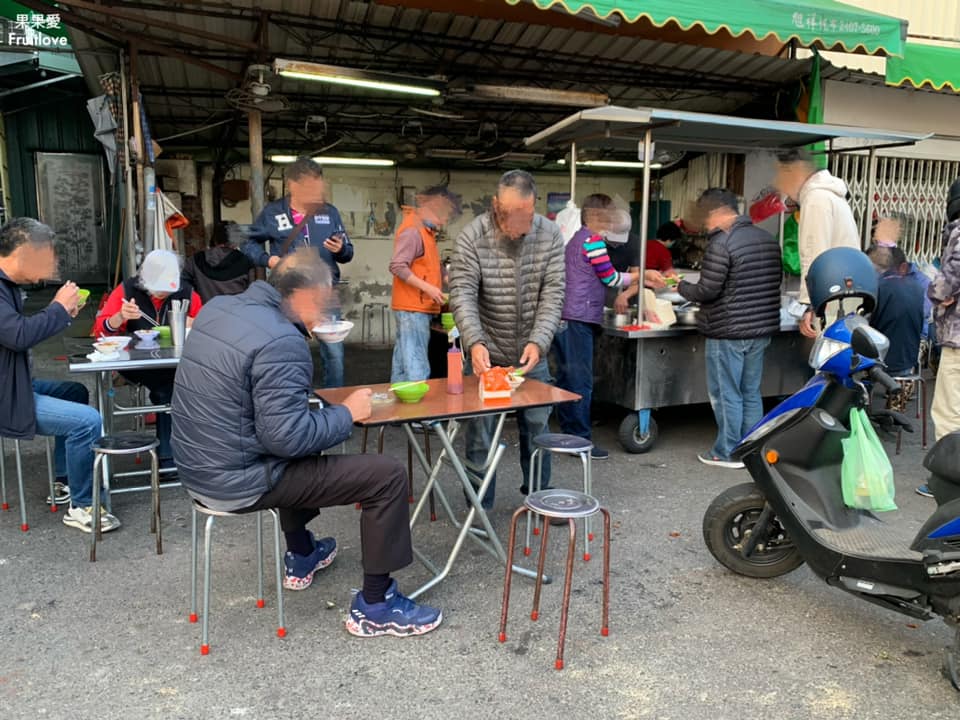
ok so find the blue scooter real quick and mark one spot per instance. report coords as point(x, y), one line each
point(793, 511)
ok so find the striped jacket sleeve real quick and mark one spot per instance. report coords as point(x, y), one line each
point(595, 250)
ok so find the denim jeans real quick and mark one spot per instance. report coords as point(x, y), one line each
point(573, 352)
point(734, 372)
point(410, 358)
point(63, 413)
point(332, 355)
point(478, 436)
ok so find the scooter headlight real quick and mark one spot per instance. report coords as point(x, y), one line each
point(824, 349)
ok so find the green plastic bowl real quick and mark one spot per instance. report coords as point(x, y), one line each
point(163, 331)
point(410, 393)
point(84, 295)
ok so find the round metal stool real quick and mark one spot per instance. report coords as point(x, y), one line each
point(571, 506)
point(19, 463)
point(125, 444)
point(560, 444)
point(200, 509)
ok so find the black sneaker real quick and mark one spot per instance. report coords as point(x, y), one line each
point(61, 494)
point(598, 453)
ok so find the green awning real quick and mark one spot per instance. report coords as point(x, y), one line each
point(933, 65)
point(813, 23)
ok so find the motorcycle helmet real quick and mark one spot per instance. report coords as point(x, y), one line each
point(841, 272)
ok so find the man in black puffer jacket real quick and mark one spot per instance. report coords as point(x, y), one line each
point(245, 439)
point(739, 297)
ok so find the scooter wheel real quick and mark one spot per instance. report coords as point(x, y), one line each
point(731, 518)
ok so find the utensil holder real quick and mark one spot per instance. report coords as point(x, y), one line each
point(178, 327)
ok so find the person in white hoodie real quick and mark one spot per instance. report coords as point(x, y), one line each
point(826, 220)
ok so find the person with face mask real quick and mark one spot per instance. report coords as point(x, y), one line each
point(625, 255)
point(418, 277)
point(589, 272)
point(506, 293)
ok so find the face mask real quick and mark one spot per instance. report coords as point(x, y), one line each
point(615, 238)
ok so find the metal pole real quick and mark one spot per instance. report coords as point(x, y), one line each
point(871, 185)
point(130, 218)
point(255, 127)
point(573, 172)
point(138, 141)
point(644, 216)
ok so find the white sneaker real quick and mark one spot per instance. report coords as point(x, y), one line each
point(82, 519)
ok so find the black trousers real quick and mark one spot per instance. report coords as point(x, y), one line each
point(379, 482)
point(160, 384)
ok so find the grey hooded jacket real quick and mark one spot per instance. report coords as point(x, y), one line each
point(240, 411)
point(946, 285)
point(507, 293)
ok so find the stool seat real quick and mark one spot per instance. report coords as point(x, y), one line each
point(562, 503)
point(125, 444)
point(562, 443)
point(203, 509)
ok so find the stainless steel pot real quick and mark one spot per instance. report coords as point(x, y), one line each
point(687, 314)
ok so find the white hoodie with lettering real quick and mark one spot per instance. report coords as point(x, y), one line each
point(826, 221)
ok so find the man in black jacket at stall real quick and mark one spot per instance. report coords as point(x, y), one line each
point(739, 297)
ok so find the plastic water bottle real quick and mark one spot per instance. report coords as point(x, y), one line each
point(454, 371)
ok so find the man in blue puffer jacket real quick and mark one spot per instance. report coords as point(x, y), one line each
point(245, 439)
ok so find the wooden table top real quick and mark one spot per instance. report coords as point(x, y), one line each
point(438, 404)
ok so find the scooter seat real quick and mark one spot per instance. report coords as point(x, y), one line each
point(943, 460)
point(872, 538)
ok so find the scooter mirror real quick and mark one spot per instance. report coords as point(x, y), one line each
point(863, 344)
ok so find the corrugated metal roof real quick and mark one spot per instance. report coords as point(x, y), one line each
point(632, 71)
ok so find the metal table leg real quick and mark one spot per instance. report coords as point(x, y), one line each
point(486, 537)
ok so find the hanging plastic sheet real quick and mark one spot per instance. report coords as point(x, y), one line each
point(169, 218)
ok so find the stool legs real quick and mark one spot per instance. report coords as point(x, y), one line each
point(4, 505)
point(508, 576)
point(587, 490)
point(605, 620)
point(207, 579)
point(193, 565)
point(51, 472)
point(23, 506)
point(95, 509)
point(278, 562)
point(536, 462)
point(567, 584)
point(155, 524)
point(205, 635)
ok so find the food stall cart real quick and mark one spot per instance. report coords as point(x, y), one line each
point(649, 369)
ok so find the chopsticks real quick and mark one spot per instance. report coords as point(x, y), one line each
point(149, 319)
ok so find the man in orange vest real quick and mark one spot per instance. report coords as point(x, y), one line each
point(418, 279)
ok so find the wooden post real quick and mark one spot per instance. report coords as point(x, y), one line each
point(255, 128)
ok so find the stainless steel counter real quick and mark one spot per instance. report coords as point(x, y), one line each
point(165, 356)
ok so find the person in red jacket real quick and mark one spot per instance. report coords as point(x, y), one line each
point(151, 293)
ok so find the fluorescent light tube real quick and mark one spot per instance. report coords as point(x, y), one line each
point(352, 77)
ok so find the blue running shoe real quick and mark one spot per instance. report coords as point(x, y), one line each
point(300, 568)
point(396, 615)
point(925, 491)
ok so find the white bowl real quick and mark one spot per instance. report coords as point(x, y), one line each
point(121, 340)
point(108, 347)
point(147, 336)
point(333, 332)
